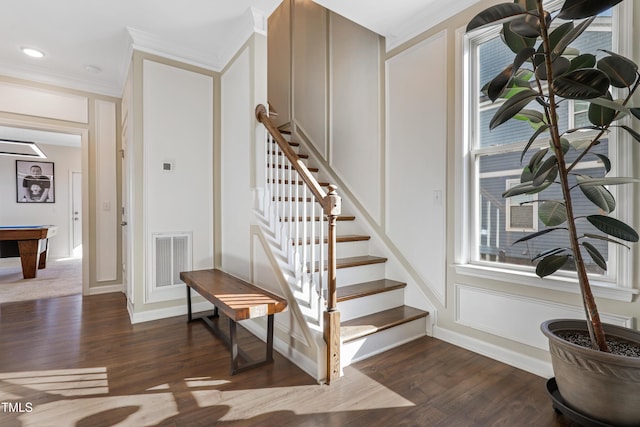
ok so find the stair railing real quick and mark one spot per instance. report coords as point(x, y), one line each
point(289, 183)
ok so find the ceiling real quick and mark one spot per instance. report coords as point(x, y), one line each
point(87, 43)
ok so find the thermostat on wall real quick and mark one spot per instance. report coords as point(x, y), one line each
point(167, 166)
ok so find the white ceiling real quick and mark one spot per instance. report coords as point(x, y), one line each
point(77, 34)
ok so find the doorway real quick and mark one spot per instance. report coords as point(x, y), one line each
point(66, 148)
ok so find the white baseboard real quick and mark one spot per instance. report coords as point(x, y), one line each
point(512, 358)
point(163, 313)
point(97, 290)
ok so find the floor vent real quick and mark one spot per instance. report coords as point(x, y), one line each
point(172, 255)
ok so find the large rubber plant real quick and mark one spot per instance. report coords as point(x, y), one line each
point(547, 71)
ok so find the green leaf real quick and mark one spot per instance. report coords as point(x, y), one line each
point(598, 194)
point(499, 82)
point(605, 238)
point(607, 102)
point(631, 132)
point(613, 227)
point(621, 71)
point(536, 159)
point(549, 252)
point(528, 25)
point(599, 115)
point(537, 234)
point(579, 9)
point(586, 60)
point(614, 180)
point(551, 264)
point(511, 107)
point(552, 213)
point(497, 14)
point(535, 135)
point(605, 161)
point(547, 171)
point(534, 117)
point(585, 83)
point(560, 66)
point(635, 112)
point(596, 256)
point(527, 4)
point(564, 144)
point(568, 38)
point(525, 188)
point(514, 41)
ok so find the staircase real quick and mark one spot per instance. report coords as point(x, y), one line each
point(373, 315)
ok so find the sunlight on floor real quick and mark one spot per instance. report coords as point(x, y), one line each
point(73, 397)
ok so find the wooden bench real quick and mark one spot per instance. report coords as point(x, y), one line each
point(238, 300)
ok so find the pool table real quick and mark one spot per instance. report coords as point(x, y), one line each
point(30, 243)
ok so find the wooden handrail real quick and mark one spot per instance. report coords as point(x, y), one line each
point(331, 205)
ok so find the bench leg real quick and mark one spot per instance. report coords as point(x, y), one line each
point(189, 314)
point(269, 357)
point(234, 346)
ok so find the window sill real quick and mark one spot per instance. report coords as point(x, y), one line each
point(600, 289)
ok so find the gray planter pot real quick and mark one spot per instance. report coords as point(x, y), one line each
point(603, 386)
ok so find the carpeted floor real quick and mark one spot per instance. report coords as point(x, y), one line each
point(60, 278)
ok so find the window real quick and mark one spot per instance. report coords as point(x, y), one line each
point(494, 164)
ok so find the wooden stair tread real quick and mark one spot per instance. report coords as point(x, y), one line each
point(301, 156)
point(359, 260)
point(287, 167)
point(354, 261)
point(339, 239)
point(367, 325)
point(317, 219)
point(292, 199)
point(359, 290)
point(286, 182)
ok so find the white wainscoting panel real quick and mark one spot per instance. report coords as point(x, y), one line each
point(107, 228)
point(515, 317)
point(416, 157)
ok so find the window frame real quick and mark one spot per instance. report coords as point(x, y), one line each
point(617, 284)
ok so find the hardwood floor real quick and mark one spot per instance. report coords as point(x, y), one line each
point(74, 361)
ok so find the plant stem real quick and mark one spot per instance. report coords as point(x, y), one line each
point(596, 331)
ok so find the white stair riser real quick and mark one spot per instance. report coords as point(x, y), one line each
point(359, 307)
point(359, 274)
point(342, 227)
point(379, 342)
point(344, 249)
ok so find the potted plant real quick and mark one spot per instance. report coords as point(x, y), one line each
point(546, 72)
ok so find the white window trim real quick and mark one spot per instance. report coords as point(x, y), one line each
point(466, 220)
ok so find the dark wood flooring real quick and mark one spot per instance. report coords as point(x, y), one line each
point(75, 361)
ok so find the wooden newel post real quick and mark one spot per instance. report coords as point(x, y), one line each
point(332, 208)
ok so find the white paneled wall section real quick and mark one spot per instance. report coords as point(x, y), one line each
point(178, 165)
point(106, 197)
point(416, 157)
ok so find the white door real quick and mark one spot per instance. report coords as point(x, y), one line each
point(76, 214)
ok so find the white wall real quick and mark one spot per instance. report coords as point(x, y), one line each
point(66, 160)
point(416, 158)
point(178, 130)
point(237, 142)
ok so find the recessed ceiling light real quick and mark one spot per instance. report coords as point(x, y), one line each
point(34, 53)
point(92, 69)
